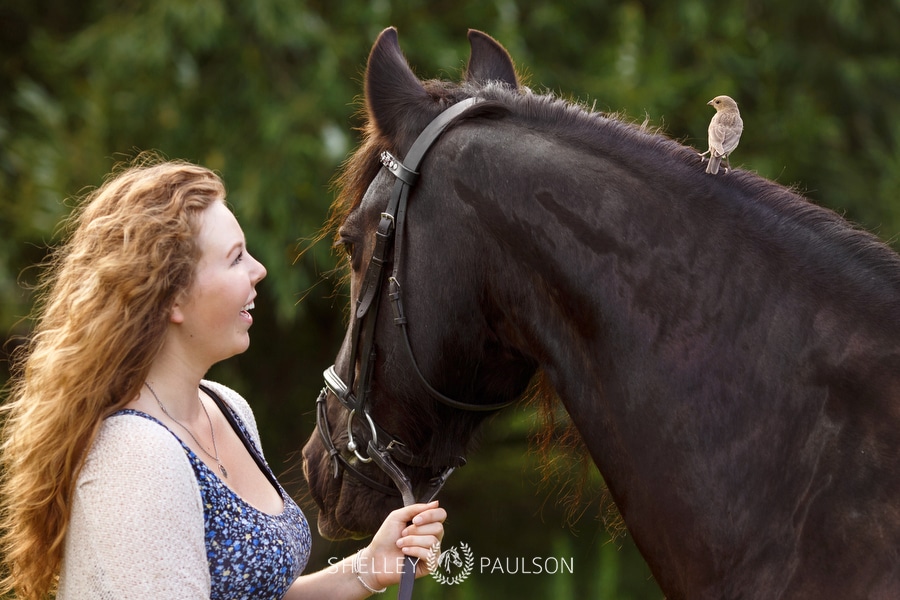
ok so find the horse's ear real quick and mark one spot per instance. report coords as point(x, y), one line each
point(489, 61)
point(391, 87)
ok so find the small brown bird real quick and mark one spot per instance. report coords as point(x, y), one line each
point(724, 132)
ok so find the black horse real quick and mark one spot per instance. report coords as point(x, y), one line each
point(729, 352)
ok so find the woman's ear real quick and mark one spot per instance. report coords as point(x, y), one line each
point(176, 315)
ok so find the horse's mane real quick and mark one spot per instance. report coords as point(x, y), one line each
point(567, 471)
point(778, 215)
point(636, 144)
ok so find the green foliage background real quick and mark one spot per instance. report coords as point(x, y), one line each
point(264, 92)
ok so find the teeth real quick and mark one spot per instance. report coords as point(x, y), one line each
point(248, 307)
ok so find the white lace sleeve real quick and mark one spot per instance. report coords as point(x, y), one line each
point(137, 521)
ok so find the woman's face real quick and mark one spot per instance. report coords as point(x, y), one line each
point(214, 315)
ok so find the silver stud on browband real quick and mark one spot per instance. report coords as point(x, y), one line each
point(398, 169)
point(388, 161)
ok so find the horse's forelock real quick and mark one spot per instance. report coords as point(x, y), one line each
point(360, 168)
point(354, 176)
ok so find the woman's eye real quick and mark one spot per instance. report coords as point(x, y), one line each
point(239, 258)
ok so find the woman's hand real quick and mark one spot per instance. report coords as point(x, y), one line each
point(416, 531)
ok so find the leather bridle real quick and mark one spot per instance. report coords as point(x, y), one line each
point(384, 449)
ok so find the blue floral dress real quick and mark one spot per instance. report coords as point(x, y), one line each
point(252, 555)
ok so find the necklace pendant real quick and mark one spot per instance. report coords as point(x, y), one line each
point(223, 471)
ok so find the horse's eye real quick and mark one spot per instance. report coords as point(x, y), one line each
point(347, 248)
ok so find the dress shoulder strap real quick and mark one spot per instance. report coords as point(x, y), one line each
point(233, 421)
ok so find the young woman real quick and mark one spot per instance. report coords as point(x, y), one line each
point(125, 473)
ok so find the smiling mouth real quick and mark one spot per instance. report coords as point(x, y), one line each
point(248, 307)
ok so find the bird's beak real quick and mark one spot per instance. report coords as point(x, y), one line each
point(711, 101)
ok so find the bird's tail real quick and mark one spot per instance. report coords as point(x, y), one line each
point(713, 166)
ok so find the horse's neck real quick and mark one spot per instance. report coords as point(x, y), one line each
point(684, 356)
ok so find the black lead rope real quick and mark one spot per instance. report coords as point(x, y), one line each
point(384, 461)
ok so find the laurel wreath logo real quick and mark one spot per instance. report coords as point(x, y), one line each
point(449, 559)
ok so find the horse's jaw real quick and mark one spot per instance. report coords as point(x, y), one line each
point(347, 510)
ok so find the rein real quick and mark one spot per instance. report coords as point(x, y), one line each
point(384, 449)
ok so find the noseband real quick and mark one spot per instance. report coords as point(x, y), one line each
point(384, 449)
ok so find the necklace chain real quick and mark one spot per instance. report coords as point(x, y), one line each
point(212, 431)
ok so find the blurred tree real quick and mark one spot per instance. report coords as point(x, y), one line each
point(264, 92)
